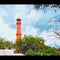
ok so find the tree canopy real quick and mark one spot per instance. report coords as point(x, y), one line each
point(44, 6)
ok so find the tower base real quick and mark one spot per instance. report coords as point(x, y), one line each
point(18, 46)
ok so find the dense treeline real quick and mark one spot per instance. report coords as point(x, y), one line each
point(30, 46)
point(5, 44)
point(34, 46)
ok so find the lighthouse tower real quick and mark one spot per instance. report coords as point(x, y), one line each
point(18, 36)
point(18, 29)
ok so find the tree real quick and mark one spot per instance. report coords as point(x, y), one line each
point(44, 6)
point(1, 44)
point(5, 44)
point(34, 43)
point(52, 51)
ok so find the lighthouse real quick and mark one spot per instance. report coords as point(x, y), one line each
point(18, 36)
point(18, 29)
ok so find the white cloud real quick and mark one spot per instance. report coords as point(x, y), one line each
point(6, 32)
point(31, 30)
point(3, 12)
point(51, 38)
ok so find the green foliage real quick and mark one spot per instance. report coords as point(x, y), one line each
point(5, 44)
point(52, 51)
point(34, 43)
point(1, 44)
point(31, 45)
point(31, 53)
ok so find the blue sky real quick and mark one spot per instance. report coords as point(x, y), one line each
point(34, 22)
